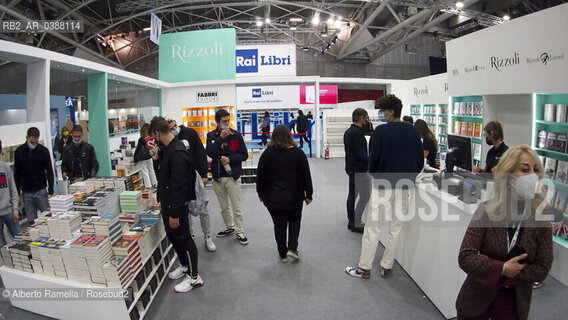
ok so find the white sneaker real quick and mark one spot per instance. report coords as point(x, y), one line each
point(209, 244)
point(177, 273)
point(188, 283)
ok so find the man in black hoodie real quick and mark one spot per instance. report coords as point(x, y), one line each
point(33, 173)
point(176, 187)
point(79, 160)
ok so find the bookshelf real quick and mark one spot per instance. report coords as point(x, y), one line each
point(416, 111)
point(550, 129)
point(442, 127)
point(467, 120)
point(335, 123)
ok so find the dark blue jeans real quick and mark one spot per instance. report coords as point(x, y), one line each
point(13, 227)
point(34, 201)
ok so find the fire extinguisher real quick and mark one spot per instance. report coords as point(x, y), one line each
point(326, 151)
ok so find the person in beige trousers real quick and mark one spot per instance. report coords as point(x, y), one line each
point(227, 150)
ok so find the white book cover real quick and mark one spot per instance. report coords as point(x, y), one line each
point(562, 172)
point(550, 168)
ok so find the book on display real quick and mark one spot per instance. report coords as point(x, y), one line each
point(551, 141)
point(549, 112)
point(470, 129)
point(109, 225)
point(464, 126)
point(131, 201)
point(477, 151)
point(478, 130)
point(550, 168)
point(560, 201)
point(61, 203)
point(542, 134)
point(562, 172)
point(97, 251)
point(561, 142)
point(457, 127)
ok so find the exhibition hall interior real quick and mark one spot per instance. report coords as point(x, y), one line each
point(319, 159)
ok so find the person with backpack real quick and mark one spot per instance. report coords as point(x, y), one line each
point(176, 188)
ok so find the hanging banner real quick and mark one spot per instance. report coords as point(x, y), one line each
point(328, 94)
point(266, 60)
point(155, 28)
point(197, 55)
point(263, 97)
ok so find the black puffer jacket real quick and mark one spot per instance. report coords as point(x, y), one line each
point(176, 178)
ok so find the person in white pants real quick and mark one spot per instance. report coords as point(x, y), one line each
point(395, 156)
point(206, 228)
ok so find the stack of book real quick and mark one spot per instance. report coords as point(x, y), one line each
point(61, 203)
point(109, 225)
point(69, 225)
point(77, 187)
point(97, 251)
point(76, 263)
point(51, 259)
point(5, 252)
point(34, 247)
point(150, 214)
point(21, 255)
point(131, 201)
point(148, 233)
point(88, 226)
point(98, 202)
point(130, 218)
point(117, 272)
point(128, 246)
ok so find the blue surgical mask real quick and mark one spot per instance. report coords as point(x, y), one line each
point(176, 131)
point(382, 117)
point(32, 146)
point(224, 126)
point(77, 142)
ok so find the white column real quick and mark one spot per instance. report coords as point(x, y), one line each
point(317, 119)
point(37, 99)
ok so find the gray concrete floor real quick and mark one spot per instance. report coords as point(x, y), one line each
point(249, 282)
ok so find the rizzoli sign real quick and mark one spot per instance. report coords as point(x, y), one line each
point(498, 62)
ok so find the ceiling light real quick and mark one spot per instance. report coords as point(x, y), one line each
point(315, 20)
point(147, 29)
point(258, 23)
point(305, 48)
point(338, 23)
point(459, 4)
point(267, 20)
point(82, 70)
point(296, 19)
point(293, 28)
point(330, 20)
point(506, 17)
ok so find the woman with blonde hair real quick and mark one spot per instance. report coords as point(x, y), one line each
point(507, 246)
point(283, 182)
point(142, 156)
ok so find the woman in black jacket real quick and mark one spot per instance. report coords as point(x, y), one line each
point(142, 156)
point(283, 182)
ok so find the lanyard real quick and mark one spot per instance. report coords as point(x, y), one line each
point(511, 243)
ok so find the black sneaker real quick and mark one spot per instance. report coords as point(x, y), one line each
point(225, 233)
point(242, 238)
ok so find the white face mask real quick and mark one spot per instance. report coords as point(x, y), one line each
point(525, 186)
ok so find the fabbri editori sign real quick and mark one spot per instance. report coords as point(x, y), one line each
point(266, 60)
point(197, 55)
